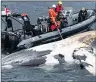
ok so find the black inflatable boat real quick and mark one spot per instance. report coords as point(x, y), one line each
point(72, 28)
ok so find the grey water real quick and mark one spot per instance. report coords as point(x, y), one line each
point(37, 9)
point(36, 74)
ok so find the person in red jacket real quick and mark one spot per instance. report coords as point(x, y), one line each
point(59, 7)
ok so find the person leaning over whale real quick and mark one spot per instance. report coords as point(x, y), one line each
point(52, 16)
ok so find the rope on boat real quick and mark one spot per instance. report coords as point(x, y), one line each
point(17, 20)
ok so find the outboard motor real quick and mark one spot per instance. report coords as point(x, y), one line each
point(9, 25)
point(9, 41)
point(44, 27)
point(39, 20)
point(42, 24)
point(46, 18)
point(6, 41)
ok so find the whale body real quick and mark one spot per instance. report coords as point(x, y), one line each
point(48, 54)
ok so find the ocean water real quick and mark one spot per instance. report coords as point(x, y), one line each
point(36, 74)
point(37, 9)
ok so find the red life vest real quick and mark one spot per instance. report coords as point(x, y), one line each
point(53, 27)
point(59, 8)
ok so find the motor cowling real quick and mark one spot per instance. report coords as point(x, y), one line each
point(39, 20)
point(42, 23)
point(9, 41)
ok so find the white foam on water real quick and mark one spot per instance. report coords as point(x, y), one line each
point(91, 59)
point(7, 67)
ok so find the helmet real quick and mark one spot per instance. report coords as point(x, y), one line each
point(60, 2)
point(83, 8)
point(54, 6)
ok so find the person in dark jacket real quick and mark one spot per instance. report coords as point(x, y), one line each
point(82, 15)
point(27, 26)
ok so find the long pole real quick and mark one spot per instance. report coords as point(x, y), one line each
point(60, 33)
point(95, 15)
point(12, 25)
point(3, 20)
point(6, 18)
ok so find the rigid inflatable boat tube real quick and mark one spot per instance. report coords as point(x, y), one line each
point(80, 26)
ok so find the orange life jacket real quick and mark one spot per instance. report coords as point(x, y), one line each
point(52, 15)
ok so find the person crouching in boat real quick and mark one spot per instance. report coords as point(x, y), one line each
point(25, 18)
point(52, 15)
point(82, 15)
point(27, 26)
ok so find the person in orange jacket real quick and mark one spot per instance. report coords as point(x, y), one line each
point(52, 16)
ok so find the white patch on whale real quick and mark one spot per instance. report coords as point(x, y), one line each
point(65, 48)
